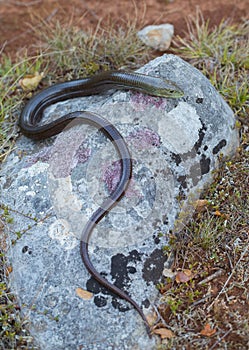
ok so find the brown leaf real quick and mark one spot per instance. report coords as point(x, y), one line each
point(8, 270)
point(222, 215)
point(84, 294)
point(30, 82)
point(208, 331)
point(184, 276)
point(164, 333)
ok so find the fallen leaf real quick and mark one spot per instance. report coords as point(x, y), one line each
point(208, 331)
point(30, 82)
point(84, 294)
point(8, 270)
point(184, 276)
point(164, 333)
point(222, 215)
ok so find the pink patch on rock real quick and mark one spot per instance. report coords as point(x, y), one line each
point(111, 178)
point(82, 155)
point(43, 156)
point(141, 101)
point(111, 175)
point(144, 138)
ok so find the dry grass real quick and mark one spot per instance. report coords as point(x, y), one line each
point(214, 247)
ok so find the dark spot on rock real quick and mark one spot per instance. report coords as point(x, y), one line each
point(205, 148)
point(153, 267)
point(165, 219)
point(219, 146)
point(182, 195)
point(100, 301)
point(94, 286)
point(201, 137)
point(205, 164)
point(156, 239)
point(199, 100)
point(131, 269)
point(120, 270)
point(134, 256)
point(176, 158)
point(120, 305)
point(182, 180)
point(146, 303)
point(25, 249)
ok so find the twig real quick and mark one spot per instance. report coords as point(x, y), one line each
point(211, 277)
point(208, 295)
point(3, 46)
point(219, 340)
point(229, 259)
point(159, 317)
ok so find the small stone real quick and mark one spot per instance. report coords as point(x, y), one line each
point(157, 36)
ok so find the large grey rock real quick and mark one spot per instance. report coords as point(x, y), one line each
point(55, 185)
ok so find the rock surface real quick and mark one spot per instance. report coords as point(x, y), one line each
point(157, 36)
point(53, 187)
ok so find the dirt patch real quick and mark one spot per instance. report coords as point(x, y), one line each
point(18, 17)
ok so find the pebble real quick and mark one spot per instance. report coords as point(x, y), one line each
point(157, 36)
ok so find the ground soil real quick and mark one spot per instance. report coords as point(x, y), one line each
point(18, 17)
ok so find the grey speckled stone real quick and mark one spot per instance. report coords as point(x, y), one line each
point(55, 185)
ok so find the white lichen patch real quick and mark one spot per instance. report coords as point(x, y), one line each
point(66, 204)
point(31, 193)
point(60, 230)
point(180, 128)
point(62, 195)
point(23, 188)
point(33, 170)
